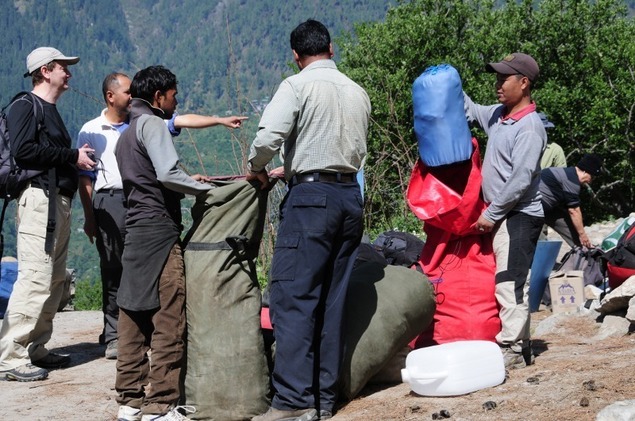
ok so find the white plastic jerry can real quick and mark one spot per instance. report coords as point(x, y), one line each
point(454, 368)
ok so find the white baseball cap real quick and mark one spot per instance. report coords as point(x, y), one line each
point(44, 55)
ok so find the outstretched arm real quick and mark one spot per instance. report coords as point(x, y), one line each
point(197, 121)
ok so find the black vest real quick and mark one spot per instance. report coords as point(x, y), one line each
point(146, 197)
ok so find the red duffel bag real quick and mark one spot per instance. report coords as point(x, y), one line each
point(458, 259)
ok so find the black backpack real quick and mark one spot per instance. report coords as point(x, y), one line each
point(14, 179)
point(399, 248)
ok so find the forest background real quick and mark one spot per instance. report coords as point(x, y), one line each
point(230, 55)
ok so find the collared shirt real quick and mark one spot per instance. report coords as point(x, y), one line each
point(560, 188)
point(321, 116)
point(102, 136)
point(511, 166)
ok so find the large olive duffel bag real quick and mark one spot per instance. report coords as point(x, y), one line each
point(226, 376)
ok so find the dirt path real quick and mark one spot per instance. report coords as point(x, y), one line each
point(575, 376)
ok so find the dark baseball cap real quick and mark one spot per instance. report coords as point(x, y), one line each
point(591, 163)
point(516, 63)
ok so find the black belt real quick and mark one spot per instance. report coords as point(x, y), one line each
point(324, 177)
point(110, 192)
point(61, 190)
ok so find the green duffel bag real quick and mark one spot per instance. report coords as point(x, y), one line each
point(226, 375)
point(386, 308)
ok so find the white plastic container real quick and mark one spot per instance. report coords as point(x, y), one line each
point(454, 368)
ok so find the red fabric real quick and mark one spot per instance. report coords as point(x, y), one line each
point(265, 321)
point(462, 270)
point(457, 259)
point(618, 274)
point(448, 197)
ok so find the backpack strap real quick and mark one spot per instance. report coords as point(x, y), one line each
point(49, 241)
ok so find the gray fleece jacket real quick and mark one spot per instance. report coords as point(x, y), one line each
point(511, 168)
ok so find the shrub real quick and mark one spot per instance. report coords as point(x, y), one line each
point(87, 295)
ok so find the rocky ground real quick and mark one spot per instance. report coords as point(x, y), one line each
point(580, 370)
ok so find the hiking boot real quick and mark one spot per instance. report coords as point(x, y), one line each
point(25, 373)
point(128, 413)
point(53, 360)
point(312, 415)
point(512, 359)
point(173, 415)
point(325, 415)
point(274, 414)
point(111, 350)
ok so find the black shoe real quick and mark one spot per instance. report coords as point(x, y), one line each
point(53, 360)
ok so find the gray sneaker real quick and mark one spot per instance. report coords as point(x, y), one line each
point(111, 350)
point(512, 359)
point(325, 415)
point(312, 415)
point(274, 414)
point(25, 373)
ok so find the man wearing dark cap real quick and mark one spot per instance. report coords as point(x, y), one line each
point(560, 190)
point(28, 322)
point(514, 216)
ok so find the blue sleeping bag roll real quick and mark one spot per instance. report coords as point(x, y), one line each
point(440, 124)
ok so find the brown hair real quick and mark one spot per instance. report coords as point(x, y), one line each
point(37, 77)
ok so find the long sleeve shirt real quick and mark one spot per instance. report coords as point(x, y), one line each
point(511, 167)
point(321, 117)
point(41, 151)
point(149, 165)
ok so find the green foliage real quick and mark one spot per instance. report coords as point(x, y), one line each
point(87, 295)
point(586, 84)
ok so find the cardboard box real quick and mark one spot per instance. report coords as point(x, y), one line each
point(567, 291)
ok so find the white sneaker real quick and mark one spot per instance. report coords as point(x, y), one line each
point(173, 415)
point(128, 413)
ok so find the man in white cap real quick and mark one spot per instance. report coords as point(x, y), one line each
point(511, 176)
point(28, 322)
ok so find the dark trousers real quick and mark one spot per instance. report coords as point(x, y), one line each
point(110, 217)
point(561, 223)
point(320, 229)
point(514, 242)
point(153, 385)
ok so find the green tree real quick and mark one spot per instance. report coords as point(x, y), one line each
point(586, 84)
